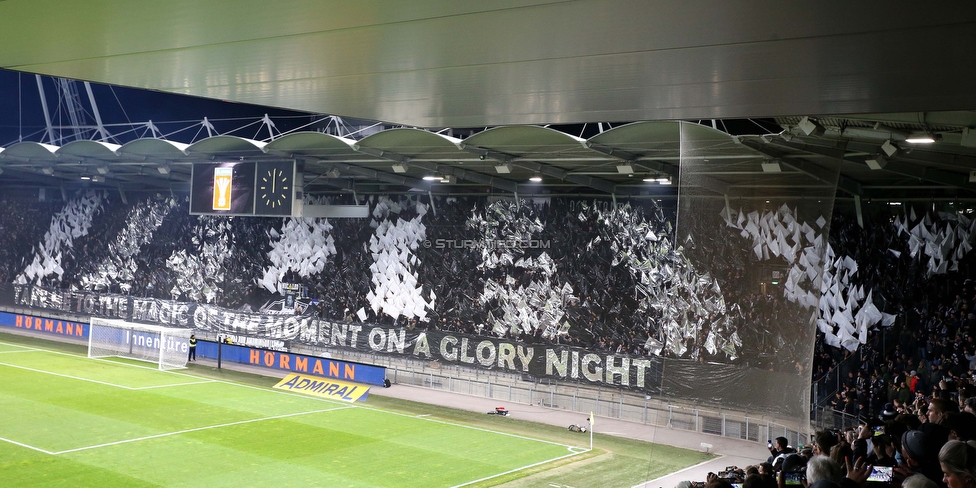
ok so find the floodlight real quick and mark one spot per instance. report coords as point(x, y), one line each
point(400, 168)
point(922, 138)
point(625, 169)
point(535, 179)
point(771, 167)
point(102, 170)
point(876, 162)
point(503, 169)
point(163, 169)
point(810, 127)
point(48, 170)
point(889, 148)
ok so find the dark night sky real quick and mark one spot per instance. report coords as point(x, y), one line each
point(21, 113)
point(22, 116)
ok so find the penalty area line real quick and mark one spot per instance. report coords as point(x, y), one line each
point(197, 429)
point(66, 376)
point(28, 446)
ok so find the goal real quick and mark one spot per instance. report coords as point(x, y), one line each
point(166, 346)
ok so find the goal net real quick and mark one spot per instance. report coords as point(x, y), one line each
point(166, 346)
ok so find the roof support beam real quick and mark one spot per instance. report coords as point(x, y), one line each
point(545, 169)
point(472, 176)
point(815, 171)
point(898, 165)
point(379, 175)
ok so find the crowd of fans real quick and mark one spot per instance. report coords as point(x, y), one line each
point(928, 443)
point(930, 348)
point(932, 340)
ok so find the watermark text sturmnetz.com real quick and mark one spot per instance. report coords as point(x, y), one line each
point(488, 244)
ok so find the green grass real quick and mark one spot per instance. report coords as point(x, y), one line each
point(73, 421)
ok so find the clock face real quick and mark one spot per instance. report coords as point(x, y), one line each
point(274, 190)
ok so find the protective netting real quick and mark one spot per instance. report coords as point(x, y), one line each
point(742, 319)
point(165, 346)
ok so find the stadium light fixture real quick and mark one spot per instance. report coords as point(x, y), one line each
point(503, 169)
point(432, 178)
point(876, 162)
point(400, 168)
point(922, 138)
point(48, 170)
point(810, 127)
point(625, 169)
point(889, 148)
point(102, 170)
point(536, 179)
point(771, 167)
point(163, 169)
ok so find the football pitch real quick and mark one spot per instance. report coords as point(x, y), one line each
point(68, 420)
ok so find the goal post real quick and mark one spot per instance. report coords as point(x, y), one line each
point(168, 347)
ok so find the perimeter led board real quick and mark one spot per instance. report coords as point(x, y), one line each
point(222, 189)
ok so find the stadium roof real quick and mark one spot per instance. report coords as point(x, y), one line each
point(508, 66)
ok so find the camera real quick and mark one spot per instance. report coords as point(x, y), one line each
point(794, 478)
point(880, 474)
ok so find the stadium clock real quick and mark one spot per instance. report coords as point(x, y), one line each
point(274, 188)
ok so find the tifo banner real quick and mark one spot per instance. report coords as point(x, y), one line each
point(275, 331)
point(331, 389)
point(40, 324)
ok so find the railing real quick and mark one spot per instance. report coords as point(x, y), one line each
point(605, 402)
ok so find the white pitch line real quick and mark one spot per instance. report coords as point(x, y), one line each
point(516, 470)
point(21, 444)
point(167, 434)
point(174, 384)
point(14, 352)
point(66, 376)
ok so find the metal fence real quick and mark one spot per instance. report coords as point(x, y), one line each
point(605, 402)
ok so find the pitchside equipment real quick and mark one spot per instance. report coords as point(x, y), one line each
point(166, 346)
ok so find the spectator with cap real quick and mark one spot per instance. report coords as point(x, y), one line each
point(919, 453)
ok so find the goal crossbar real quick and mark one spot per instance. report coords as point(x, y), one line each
point(168, 347)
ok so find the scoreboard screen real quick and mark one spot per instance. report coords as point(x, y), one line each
point(264, 188)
